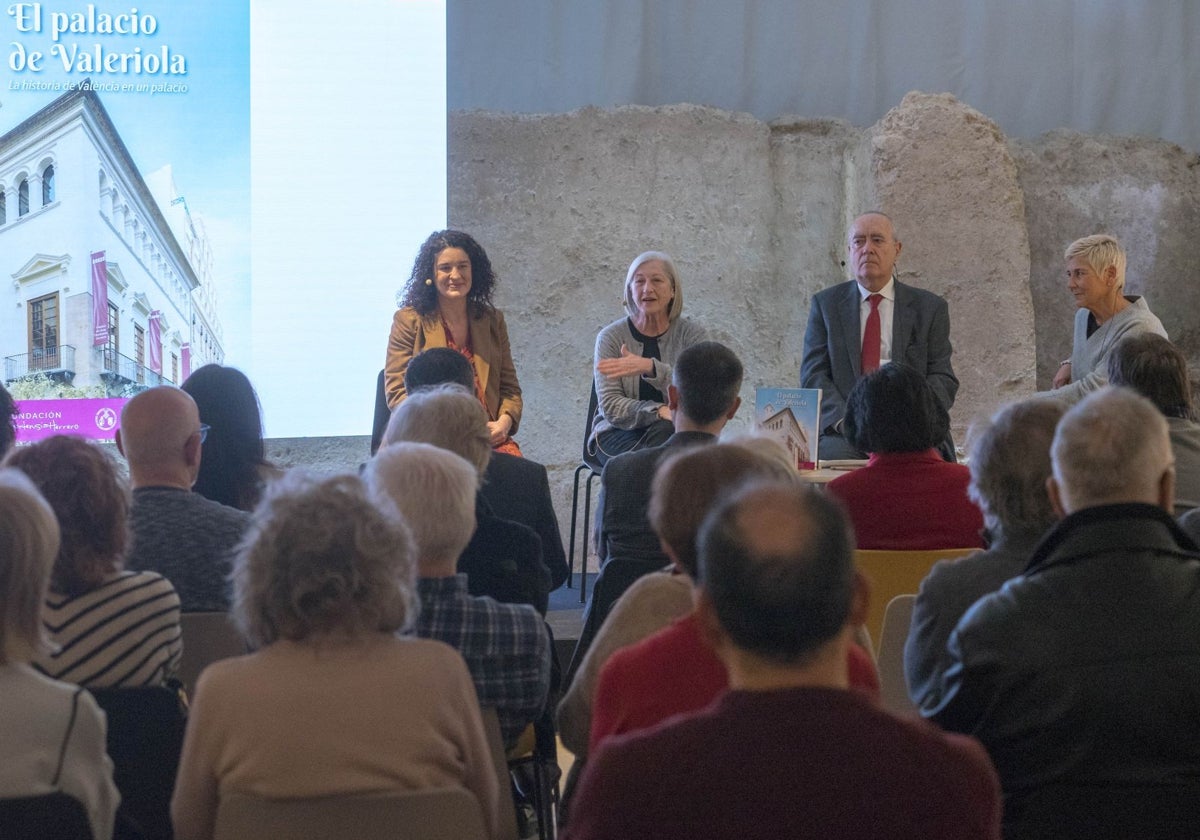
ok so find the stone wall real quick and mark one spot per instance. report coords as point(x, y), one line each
point(755, 215)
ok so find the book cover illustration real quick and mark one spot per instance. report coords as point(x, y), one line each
point(791, 416)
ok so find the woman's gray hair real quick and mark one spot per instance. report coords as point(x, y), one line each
point(28, 545)
point(430, 489)
point(447, 416)
point(673, 275)
point(321, 559)
point(1009, 458)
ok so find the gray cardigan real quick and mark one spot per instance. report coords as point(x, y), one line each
point(618, 406)
point(1089, 356)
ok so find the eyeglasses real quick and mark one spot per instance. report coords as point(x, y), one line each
point(204, 427)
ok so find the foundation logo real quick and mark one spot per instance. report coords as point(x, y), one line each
point(106, 419)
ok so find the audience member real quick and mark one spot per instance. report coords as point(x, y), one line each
point(1010, 462)
point(235, 465)
point(702, 398)
point(8, 414)
point(1082, 676)
point(183, 536)
point(506, 646)
point(1154, 367)
point(110, 627)
point(906, 498)
point(503, 558)
point(675, 670)
point(334, 701)
point(517, 488)
point(788, 751)
point(53, 733)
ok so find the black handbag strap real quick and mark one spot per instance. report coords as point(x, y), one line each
point(62, 750)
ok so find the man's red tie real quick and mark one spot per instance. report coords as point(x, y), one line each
point(871, 338)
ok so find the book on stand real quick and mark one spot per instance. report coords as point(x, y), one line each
point(792, 416)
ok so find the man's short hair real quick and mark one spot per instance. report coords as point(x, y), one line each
point(688, 483)
point(430, 489)
point(448, 416)
point(893, 409)
point(708, 375)
point(28, 546)
point(438, 366)
point(1110, 447)
point(1100, 250)
point(1009, 457)
point(1154, 367)
point(777, 563)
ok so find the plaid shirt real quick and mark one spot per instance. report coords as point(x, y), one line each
point(506, 647)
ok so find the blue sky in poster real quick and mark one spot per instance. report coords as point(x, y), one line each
point(203, 133)
point(319, 127)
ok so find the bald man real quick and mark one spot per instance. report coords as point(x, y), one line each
point(1082, 676)
point(181, 535)
point(857, 326)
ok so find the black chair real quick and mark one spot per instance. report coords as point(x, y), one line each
point(588, 462)
point(382, 414)
point(145, 738)
point(50, 816)
point(618, 574)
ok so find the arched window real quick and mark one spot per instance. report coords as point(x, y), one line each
point(48, 185)
point(23, 198)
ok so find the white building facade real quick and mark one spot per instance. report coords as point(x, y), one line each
point(70, 191)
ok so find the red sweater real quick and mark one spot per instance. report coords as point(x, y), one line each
point(910, 501)
point(674, 672)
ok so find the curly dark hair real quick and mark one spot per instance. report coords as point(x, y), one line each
point(424, 298)
point(80, 482)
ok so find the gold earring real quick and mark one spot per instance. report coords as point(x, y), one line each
point(428, 281)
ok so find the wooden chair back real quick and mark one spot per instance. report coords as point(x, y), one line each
point(892, 686)
point(440, 814)
point(893, 573)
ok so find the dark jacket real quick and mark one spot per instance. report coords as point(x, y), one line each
point(504, 561)
point(519, 490)
point(1082, 679)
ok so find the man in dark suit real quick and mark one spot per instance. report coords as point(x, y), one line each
point(703, 397)
point(517, 489)
point(856, 326)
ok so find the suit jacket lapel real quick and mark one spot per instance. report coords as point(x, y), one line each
point(850, 321)
point(904, 321)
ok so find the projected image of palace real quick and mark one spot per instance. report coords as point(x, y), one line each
point(111, 276)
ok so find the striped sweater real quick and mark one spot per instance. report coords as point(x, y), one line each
point(124, 633)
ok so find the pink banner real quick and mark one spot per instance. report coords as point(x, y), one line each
point(186, 353)
point(99, 299)
point(156, 342)
point(95, 419)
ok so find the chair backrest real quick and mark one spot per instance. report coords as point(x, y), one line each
point(593, 407)
point(895, 573)
point(892, 686)
point(50, 815)
point(145, 738)
point(617, 575)
point(495, 739)
point(437, 814)
point(207, 637)
point(382, 414)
